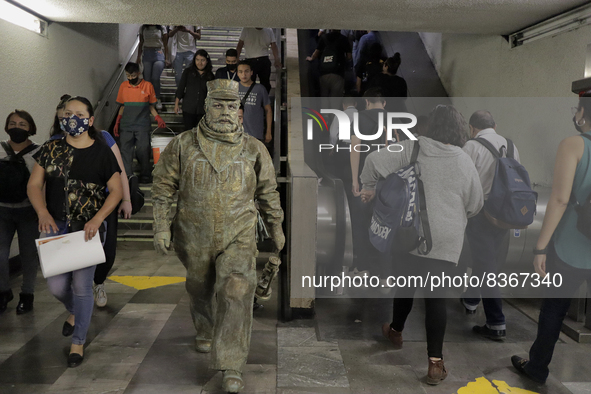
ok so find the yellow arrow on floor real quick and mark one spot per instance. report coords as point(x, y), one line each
point(484, 386)
point(147, 282)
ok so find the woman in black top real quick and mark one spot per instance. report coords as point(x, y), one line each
point(79, 167)
point(193, 89)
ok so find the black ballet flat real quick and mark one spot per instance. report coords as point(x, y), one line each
point(75, 359)
point(67, 329)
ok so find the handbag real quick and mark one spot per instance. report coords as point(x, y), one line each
point(68, 252)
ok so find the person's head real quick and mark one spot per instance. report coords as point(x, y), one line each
point(447, 126)
point(57, 127)
point(231, 59)
point(374, 98)
point(20, 126)
point(582, 114)
point(132, 72)
point(375, 51)
point(481, 120)
point(349, 101)
point(244, 71)
point(222, 105)
point(201, 61)
point(79, 118)
point(391, 64)
point(241, 114)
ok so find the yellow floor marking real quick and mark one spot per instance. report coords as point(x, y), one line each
point(484, 386)
point(146, 282)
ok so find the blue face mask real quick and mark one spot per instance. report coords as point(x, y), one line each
point(75, 125)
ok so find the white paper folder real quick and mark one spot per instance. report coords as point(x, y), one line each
point(68, 252)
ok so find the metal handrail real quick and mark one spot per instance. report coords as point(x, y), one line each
point(277, 111)
point(113, 83)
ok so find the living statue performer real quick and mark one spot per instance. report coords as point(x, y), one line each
point(218, 171)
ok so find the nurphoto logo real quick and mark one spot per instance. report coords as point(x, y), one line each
point(344, 124)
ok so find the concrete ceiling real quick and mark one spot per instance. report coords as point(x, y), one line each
point(447, 16)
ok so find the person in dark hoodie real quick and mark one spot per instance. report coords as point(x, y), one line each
point(453, 194)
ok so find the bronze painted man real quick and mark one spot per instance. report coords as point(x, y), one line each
point(218, 171)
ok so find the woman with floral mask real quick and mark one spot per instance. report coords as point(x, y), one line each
point(16, 213)
point(112, 221)
point(84, 166)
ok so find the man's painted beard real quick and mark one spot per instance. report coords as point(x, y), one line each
point(222, 124)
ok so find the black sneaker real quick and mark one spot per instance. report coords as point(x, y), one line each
point(495, 335)
point(519, 363)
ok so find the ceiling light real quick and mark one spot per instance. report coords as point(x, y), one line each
point(13, 14)
point(562, 23)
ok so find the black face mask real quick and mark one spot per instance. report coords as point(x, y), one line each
point(18, 135)
point(134, 81)
point(232, 67)
point(577, 127)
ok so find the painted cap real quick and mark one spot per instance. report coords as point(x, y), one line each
point(225, 89)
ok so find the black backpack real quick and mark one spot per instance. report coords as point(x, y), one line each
point(332, 59)
point(137, 196)
point(14, 175)
point(511, 203)
point(399, 211)
point(583, 210)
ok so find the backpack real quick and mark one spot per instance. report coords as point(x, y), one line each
point(332, 59)
point(14, 175)
point(400, 208)
point(583, 210)
point(511, 203)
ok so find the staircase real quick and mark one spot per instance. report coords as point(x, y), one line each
point(138, 231)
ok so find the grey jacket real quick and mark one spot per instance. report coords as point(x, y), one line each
point(452, 188)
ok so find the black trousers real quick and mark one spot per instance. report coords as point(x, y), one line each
point(110, 248)
point(435, 304)
point(191, 120)
point(553, 311)
point(261, 67)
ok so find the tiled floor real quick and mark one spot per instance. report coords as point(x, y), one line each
point(143, 342)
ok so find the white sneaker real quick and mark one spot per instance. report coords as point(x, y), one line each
point(100, 295)
point(159, 105)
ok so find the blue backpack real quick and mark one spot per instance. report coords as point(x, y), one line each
point(511, 202)
point(399, 210)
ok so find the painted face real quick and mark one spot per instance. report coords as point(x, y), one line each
point(222, 115)
point(244, 73)
point(200, 62)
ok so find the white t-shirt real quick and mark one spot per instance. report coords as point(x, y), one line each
point(185, 42)
point(256, 42)
point(153, 36)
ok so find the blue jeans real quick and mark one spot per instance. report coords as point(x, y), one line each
point(553, 312)
point(181, 61)
point(24, 222)
point(74, 290)
point(153, 61)
point(485, 241)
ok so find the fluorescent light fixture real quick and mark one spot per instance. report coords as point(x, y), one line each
point(565, 22)
point(13, 14)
